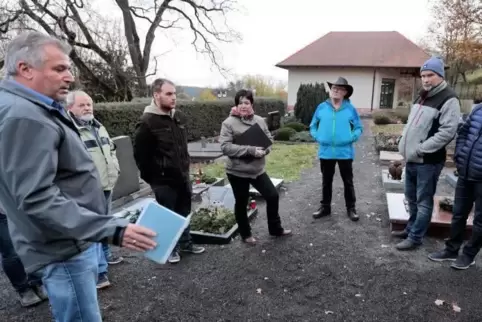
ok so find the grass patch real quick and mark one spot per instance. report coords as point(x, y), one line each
point(387, 129)
point(285, 161)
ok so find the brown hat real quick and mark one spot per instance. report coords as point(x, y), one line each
point(342, 82)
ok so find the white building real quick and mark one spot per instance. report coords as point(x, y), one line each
point(372, 62)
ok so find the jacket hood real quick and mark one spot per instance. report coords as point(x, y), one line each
point(154, 109)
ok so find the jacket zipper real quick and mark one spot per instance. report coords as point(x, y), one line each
point(333, 134)
point(176, 146)
point(408, 128)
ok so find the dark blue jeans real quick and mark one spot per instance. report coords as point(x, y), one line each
point(466, 194)
point(420, 187)
point(12, 266)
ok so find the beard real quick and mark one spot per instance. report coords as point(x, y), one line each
point(87, 117)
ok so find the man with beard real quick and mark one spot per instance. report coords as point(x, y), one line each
point(102, 149)
point(431, 126)
point(160, 150)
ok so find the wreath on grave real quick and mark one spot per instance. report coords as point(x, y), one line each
point(446, 204)
point(213, 217)
point(214, 220)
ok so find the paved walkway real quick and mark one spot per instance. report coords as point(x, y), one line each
point(331, 270)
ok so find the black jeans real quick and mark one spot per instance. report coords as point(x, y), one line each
point(466, 193)
point(177, 199)
point(12, 266)
point(268, 191)
point(327, 167)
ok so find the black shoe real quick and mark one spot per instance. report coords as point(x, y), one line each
point(400, 234)
point(323, 211)
point(442, 256)
point(462, 262)
point(352, 214)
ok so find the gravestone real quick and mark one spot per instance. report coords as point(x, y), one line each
point(128, 181)
point(391, 185)
point(387, 156)
point(273, 120)
point(202, 151)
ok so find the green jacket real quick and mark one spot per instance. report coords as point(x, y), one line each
point(102, 149)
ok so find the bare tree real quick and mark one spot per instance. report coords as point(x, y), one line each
point(127, 58)
point(457, 34)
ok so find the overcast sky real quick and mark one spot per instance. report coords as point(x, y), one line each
point(274, 29)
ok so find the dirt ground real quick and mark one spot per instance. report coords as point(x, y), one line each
point(332, 269)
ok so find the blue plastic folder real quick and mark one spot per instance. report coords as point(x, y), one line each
point(167, 224)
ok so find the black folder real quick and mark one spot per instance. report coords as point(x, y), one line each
point(254, 136)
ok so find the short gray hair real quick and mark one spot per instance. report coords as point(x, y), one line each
point(28, 47)
point(70, 100)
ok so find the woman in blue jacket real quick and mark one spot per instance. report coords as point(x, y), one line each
point(336, 126)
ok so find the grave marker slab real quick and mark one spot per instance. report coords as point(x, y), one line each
point(197, 189)
point(387, 156)
point(439, 225)
point(128, 181)
point(391, 185)
point(276, 182)
point(451, 179)
point(200, 152)
point(131, 206)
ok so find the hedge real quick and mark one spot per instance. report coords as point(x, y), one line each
point(204, 118)
point(395, 116)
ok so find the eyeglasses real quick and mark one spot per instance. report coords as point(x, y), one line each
point(338, 89)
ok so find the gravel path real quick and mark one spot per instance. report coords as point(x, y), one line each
point(331, 270)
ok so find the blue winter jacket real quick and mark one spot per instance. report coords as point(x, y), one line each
point(468, 147)
point(336, 130)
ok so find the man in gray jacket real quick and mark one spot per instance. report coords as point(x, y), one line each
point(49, 185)
point(431, 126)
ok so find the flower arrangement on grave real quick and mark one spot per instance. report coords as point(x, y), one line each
point(213, 217)
point(201, 177)
point(395, 170)
point(446, 204)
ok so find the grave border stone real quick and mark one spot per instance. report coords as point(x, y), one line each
point(218, 183)
point(395, 156)
point(199, 237)
point(390, 184)
point(437, 227)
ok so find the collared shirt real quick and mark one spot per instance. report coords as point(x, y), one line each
point(41, 97)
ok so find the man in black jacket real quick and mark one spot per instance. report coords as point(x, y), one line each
point(160, 150)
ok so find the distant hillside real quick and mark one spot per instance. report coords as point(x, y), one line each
point(192, 91)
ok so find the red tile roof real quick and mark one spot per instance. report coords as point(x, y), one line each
point(359, 49)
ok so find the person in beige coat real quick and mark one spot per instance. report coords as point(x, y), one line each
point(246, 166)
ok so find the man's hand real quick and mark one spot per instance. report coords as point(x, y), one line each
point(259, 153)
point(138, 238)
